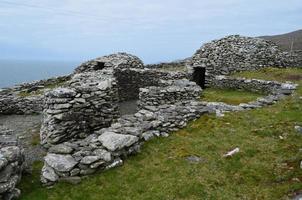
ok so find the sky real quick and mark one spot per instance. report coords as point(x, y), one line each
point(154, 30)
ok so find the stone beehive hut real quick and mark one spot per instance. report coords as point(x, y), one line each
point(90, 100)
point(237, 53)
point(118, 60)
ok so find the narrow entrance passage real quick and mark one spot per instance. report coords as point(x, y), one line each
point(199, 76)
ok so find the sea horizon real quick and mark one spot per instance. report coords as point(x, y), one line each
point(14, 71)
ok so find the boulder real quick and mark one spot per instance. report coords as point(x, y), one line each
point(113, 141)
point(61, 163)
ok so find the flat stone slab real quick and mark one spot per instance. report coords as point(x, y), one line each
point(61, 163)
point(113, 141)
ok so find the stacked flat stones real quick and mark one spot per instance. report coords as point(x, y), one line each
point(237, 53)
point(11, 164)
point(179, 64)
point(169, 92)
point(89, 102)
point(70, 156)
point(11, 102)
point(108, 147)
point(118, 60)
point(132, 79)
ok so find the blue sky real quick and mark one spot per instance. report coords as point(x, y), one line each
point(154, 30)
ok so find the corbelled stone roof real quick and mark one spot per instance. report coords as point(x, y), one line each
point(238, 53)
point(118, 60)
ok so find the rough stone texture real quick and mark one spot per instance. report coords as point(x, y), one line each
point(113, 61)
point(169, 92)
point(11, 164)
point(82, 148)
point(12, 102)
point(89, 102)
point(131, 80)
point(253, 85)
point(179, 64)
point(113, 141)
point(237, 53)
point(107, 147)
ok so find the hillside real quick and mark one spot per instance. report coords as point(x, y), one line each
point(285, 40)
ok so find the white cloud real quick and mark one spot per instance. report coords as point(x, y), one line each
point(83, 27)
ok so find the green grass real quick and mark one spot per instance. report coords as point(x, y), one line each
point(229, 96)
point(35, 138)
point(288, 74)
point(266, 167)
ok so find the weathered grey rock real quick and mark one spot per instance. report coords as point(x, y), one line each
point(49, 174)
point(103, 154)
point(113, 141)
point(11, 153)
point(60, 149)
point(61, 163)
point(87, 160)
point(119, 60)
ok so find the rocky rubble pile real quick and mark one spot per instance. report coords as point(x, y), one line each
point(169, 92)
point(118, 60)
point(11, 164)
point(108, 147)
point(237, 53)
point(89, 102)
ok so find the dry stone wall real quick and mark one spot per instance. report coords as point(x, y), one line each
point(89, 102)
point(113, 61)
point(253, 85)
point(75, 150)
point(131, 80)
point(26, 98)
point(238, 53)
point(169, 92)
point(108, 147)
point(11, 164)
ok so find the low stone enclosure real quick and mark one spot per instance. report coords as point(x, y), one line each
point(83, 130)
point(163, 108)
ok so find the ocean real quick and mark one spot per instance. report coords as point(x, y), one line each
point(14, 72)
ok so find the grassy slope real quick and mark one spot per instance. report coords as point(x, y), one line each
point(229, 96)
point(267, 167)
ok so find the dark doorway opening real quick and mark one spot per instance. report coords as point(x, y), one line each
point(199, 76)
point(99, 66)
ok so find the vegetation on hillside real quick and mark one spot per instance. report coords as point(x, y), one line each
point(287, 41)
point(267, 166)
point(229, 96)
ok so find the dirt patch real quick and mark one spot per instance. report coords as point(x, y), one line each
point(296, 77)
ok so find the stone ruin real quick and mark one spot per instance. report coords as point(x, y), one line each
point(83, 129)
point(11, 164)
point(237, 53)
